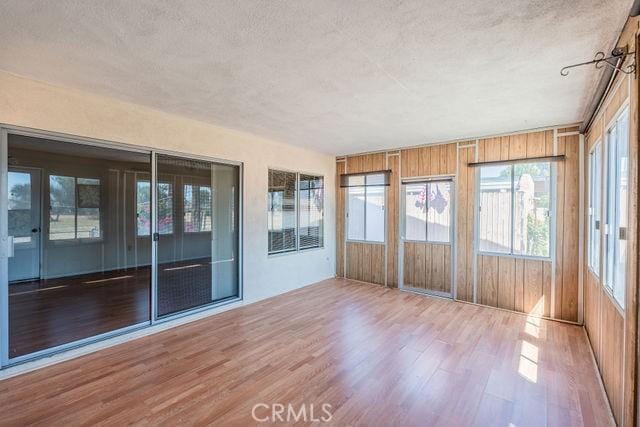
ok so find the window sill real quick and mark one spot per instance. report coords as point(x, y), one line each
point(427, 242)
point(515, 256)
point(369, 242)
point(294, 251)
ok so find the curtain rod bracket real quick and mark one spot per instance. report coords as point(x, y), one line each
point(600, 60)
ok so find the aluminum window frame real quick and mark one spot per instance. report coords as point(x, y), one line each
point(364, 216)
point(297, 248)
point(552, 215)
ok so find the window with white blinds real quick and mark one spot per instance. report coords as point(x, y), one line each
point(311, 197)
point(281, 221)
point(295, 211)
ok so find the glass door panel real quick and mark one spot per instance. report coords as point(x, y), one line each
point(77, 270)
point(196, 233)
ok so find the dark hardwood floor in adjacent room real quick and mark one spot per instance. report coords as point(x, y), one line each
point(378, 356)
point(49, 312)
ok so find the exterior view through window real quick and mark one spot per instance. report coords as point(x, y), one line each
point(427, 211)
point(365, 216)
point(617, 209)
point(515, 204)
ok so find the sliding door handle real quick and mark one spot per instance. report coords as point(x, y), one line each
point(10, 248)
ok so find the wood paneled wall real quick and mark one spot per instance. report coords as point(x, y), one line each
point(371, 262)
point(393, 219)
point(341, 167)
point(480, 278)
point(365, 262)
point(515, 284)
point(465, 220)
point(427, 266)
point(429, 161)
point(567, 229)
point(612, 330)
point(496, 293)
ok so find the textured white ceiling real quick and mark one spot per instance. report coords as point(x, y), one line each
point(332, 75)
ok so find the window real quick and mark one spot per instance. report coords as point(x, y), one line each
point(281, 220)
point(514, 204)
point(20, 214)
point(143, 208)
point(295, 211)
point(197, 208)
point(595, 180)
point(617, 176)
point(74, 208)
point(365, 199)
point(311, 223)
point(428, 211)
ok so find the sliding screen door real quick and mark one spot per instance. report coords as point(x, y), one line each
point(196, 233)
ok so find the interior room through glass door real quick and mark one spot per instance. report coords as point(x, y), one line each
point(76, 269)
point(427, 236)
point(196, 233)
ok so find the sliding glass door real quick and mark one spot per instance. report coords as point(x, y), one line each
point(98, 239)
point(196, 233)
point(69, 222)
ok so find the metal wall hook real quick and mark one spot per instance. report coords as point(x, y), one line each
point(600, 60)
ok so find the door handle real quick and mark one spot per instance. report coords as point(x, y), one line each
point(35, 230)
point(10, 248)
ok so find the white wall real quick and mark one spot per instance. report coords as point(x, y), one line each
point(37, 105)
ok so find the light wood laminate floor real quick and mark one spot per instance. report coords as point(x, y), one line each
point(378, 356)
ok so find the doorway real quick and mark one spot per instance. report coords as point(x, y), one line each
point(427, 235)
point(24, 223)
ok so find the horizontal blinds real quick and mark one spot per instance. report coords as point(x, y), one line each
point(311, 195)
point(282, 211)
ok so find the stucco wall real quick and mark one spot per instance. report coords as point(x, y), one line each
point(37, 105)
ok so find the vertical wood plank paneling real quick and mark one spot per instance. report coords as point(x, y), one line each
point(393, 221)
point(519, 285)
point(533, 279)
point(489, 281)
point(447, 270)
point(408, 267)
point(365, 262)
point(465, 223)
point(428, 266)
point(504, 148)
point(506, 281)
point(535, 144)
point(548, 143)
point(546, 288)
point(631, 297)
point(340, 225)
point(419, 266)
point(570, 230)
point(518, 146)
point(501, 281)
point(560, 190)
point(437, 267)
point(428, 161)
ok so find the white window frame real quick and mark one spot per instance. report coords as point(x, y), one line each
point(552, 214)
point(297, 248)
point(612, 202)
point(595, 213)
